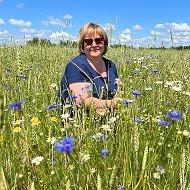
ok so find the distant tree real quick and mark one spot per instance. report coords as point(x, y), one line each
point(37, 41)
point(68, 43)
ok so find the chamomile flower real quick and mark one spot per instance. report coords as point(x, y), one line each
point(51, 140)
point(156, 175)
point(106, 127)
point(186, 133)
point(84, 157)
point(158, 82)
point(37, 160)
point(112, 119)
point(177, 88)
point(65, 116)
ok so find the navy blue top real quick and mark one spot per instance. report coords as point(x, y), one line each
point(79, 70)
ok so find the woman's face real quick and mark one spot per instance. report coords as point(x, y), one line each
point(93, 46)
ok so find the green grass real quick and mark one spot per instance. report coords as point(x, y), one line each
point(136, 149)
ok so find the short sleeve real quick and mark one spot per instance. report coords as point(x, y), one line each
point(75, 73)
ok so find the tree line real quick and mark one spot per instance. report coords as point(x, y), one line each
point(68, 43)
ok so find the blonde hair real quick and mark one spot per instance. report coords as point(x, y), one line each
point(89, 29)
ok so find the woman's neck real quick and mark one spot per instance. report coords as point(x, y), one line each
point(98, 65)
point(96, 61)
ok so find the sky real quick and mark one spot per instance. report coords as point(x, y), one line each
point(147, 23)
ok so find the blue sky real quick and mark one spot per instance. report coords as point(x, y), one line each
point(134, 22)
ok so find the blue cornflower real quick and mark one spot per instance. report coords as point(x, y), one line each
point(122, 187)
point(8, 70)
point(160, 170)
point(138, 120)
point(155, 71)
point(16, 105)
point(105, 137)
point(50, 107)
point(66, 145)
point(174, 115)
point(135, 93)
point(24, 77)
point(127, 102)
point(17, 88)
point(164, 123)
point(67, 102)
point(73, 97)
point(105, 152)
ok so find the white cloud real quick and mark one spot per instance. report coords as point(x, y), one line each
point(137, 27)
point(28, 30)
point(20, 22)
point(4, 33)
point(153, 32)
point(125, 38)
point(127, 31)
point(108, 26)
point(67, 16)
point(58, 22)
point(59, 35)
point(35, 33)
point(20, 5)
point(159, 26)
point(180, 27)
point(2, 21)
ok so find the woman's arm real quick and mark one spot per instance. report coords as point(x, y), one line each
point(81, 90)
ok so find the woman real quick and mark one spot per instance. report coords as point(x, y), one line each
point(90, 77)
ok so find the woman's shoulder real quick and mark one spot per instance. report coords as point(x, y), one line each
point(109, 62)
point(79, 59)
point(77, 62)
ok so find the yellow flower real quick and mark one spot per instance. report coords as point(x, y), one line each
point(70, 167)
point(53, 119)
point(35, 121)
point(17, 129)
point(18, 122)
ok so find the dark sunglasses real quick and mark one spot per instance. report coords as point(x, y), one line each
point(89, 41)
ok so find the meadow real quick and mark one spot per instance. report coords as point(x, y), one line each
point(144, 144)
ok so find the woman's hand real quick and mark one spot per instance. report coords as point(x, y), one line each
point(115, 102)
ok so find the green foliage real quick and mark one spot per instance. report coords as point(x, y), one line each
point(39, 42)
point(33, 73)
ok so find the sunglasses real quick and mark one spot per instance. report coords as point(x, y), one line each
point(89, 41)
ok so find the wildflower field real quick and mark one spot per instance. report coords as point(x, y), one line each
point(144, 144)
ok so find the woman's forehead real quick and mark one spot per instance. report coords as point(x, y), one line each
point(91, 35)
